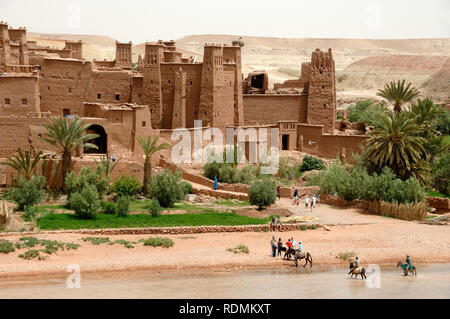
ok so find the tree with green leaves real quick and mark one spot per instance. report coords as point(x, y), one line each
point(23, 163)
point(68, 135)
point(398, 94)
point(397, 143)
point(150, 146)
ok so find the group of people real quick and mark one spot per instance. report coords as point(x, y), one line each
point(315, 200)
point(275, 224)
point(277, 247)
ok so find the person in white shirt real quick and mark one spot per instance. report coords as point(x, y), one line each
point(313, 204)
point(306, 201)
point(294, 243)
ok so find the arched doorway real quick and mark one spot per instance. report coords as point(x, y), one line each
point(101, 141)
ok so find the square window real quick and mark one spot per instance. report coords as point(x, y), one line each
point(70, 90)
point(117, 97)
point(99, 96)
point(7, 101)
point(143, 123)
point(24, 102)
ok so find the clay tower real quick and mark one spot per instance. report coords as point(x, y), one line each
point(233, 54)
point(123, 55)
point(211, 107)
point(4, 45)
point(152, 93)
point(322, 91)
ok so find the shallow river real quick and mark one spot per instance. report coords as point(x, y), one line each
point(432, 281)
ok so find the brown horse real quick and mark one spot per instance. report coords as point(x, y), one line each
point(288, 253)
point(306, 256)
point(357, 271)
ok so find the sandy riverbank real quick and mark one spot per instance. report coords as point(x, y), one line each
point(376, 240)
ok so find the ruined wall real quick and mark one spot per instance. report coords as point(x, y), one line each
point(327, 145)
point(266, 109)
point(19, 95)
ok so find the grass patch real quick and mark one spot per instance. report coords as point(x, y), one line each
point(48, 247)
point(346, 256)
point(6, 246)
point(188, 237)
point(157, 241)
point(125, 243)
point(436, 194)
point(239, 249)
point(71, 221)
point(96, 240)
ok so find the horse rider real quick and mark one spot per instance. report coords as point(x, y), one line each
point(298, 250)
point(409, 264)
point(356, 265)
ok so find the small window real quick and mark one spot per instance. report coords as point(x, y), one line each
point(48, 88)
point(143, 123)
point(323, 86)
point(117, 97)
point(139, 95)
point(7, 101)
point(168, 81)
point(190, 82)
point(66, 112)
point(324, 106)
point(24, 102)
point(99, 96)
point(70, 90)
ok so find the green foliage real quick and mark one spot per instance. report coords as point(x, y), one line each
point(310, 163)
point(126, 185)
point(23, 163)
point(85, 203)
point(123, 206)
point(106, 165)
point(96, 240)
point(398, 94)
point(366, 112)
point(109, 207)
point(48, 246)
point(6, 246)
point(262, 193)
point(158, 241)
point(442, 123)
point(440, 175)
point(288, 169)
point(186, 187)
point(87, 177)
point(154, 208)
point(166, 187)
point(28, 193)
point(356, 183)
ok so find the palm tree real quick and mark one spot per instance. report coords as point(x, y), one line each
point(396, 143)
point(426, 113)
point(398, 94)
point(149, 146)
point(23, 163)
point(68, 135)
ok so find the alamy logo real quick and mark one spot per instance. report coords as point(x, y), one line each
point(74, 18)
point(74, 279)
point(237, 143)
point(373, 274)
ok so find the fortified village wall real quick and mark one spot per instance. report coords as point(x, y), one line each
point(163, 92)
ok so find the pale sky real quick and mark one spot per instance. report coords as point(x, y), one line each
point(141, 21)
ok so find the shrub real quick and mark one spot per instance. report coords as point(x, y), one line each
point(186, 187)
point(86, 177)
point(262, 193)
point(123, 206)
point(6, 246)
point(85, 203)
point(310, 163)
point(28, 192)
point(154, 208)
point(239, 249)
point(440, 175)
point(126, 185)
point(109, 207)
point(158, 241)
point(288, 169)
point(366, 112)
point(166, 188)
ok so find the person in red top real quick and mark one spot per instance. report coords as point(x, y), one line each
point(289, 244)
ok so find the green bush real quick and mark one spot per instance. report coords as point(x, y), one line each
point(109, 207)
point(440, 175)
point(310, 163)
point(288, 169)
point(123, 206)
point(85, 203)
point(186, 187)
point(28, 193)
point(158, 241)
point(6, 246)
point(154, 208)
point(356, 183)
point(86, 177)
point(166, 187)
point(262, 193)
point(366, 112)
point(127, 185)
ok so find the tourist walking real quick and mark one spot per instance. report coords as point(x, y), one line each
point(306, 201)
point(216, 183)
point(295, 197)
point(313, 204)
point(318, 199)
point(278, 192)
point(273, 243)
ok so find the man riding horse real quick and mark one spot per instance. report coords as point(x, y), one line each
point(355, 266)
